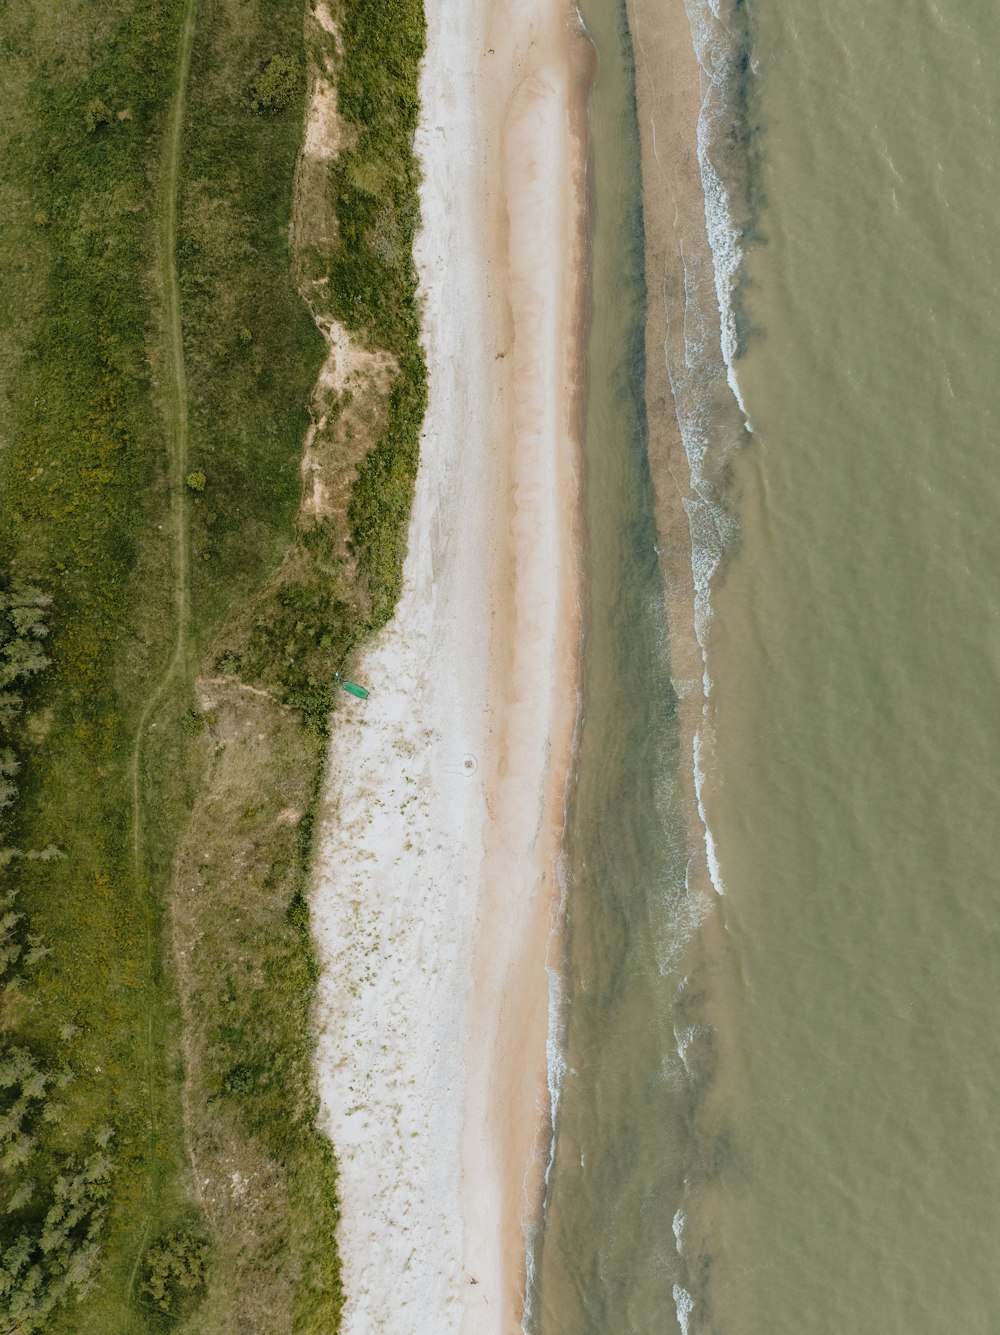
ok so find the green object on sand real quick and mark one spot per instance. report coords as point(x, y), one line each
point(353, 689)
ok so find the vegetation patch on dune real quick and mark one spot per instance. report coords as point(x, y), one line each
point(161, 1166)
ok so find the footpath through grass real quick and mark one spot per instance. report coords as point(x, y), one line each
point(156, 371)
point(83, 491)
point(173, 397)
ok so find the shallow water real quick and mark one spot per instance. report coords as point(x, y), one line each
point(607, 1258)
point(836, 1158)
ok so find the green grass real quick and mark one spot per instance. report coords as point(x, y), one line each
point(375, 180)
point(147, 575)
point(81, 477)
point(252, 349)
point(372, 276)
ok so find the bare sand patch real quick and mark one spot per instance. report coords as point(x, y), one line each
point(348, 402)
point(325, 19)
point(323, 127)
point(347, 408)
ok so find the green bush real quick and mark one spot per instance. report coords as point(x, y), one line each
point(83, 491)
point(275, 87)
point(175, 1271)
point(98, 113)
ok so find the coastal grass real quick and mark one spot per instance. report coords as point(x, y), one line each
point(81, 480)
point(154, 1069)
point(373, 281)
point(246, 974)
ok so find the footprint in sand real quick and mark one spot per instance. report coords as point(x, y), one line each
point(468, 765)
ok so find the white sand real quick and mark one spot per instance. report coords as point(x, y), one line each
point(432, 907)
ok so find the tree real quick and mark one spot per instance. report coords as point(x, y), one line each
point(22, 630)
point(175, 1270)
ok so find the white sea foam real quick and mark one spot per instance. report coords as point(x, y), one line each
point(686, 1039)
point(680, 1219)
point(698, 379)
point(684, 1304)
point(714, 870)
point(712, 44)
point(554, 1042)
point(727, 256)
point(713, 47)
point(556, 1074)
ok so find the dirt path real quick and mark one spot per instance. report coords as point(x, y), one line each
point(174, 394)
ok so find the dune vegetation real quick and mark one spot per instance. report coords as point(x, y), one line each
point(171, 616)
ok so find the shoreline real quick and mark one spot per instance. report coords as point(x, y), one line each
point(542, 138)
point(696, 423)
point(694, 408)
point(444, 801)
point(668, 100)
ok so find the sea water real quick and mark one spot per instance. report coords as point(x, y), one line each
point(786, 1119)
point(617, 1167)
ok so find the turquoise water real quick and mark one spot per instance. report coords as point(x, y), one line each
point(804, 1089)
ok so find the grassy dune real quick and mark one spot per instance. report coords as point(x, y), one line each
point(155, 1048)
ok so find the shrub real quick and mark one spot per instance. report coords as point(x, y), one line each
point(98, 113)
point(175, 1270)
point(230, 664)
point(275, 86)
point(196, 480)
point(192, 722)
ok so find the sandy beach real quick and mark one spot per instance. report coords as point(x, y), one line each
point(437, 877)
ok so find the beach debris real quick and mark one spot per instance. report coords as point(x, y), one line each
point(351, 687)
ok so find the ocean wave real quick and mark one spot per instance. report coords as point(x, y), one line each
point(711, 856)
point(721, 55)
point(716, 47)
point(677, 1227)
point(555, 1050)
point(684, 1304)
point(711, 413)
